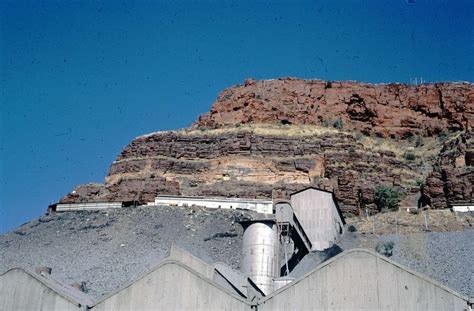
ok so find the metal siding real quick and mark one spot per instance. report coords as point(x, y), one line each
point(318, 215)
point(361, 280)
point(260, 255)
point(260, 206)
point(87, 206)
point(172, 287)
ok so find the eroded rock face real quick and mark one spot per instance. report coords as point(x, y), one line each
point(452, 178)
point(222, 156)
point(246, 164)
point(389, 110)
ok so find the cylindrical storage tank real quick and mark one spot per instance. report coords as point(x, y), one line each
point(260, 254)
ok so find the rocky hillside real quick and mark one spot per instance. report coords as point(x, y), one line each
point(109, 249)
point(267, 138)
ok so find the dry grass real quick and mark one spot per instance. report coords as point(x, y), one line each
point(266, 129)
point(403, 222)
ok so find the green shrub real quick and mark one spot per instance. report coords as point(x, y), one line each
point(385, 248)
point(410, 156)
point(387, 197)
point(238, 125)
point(325, 123)
point(337, 124)
point(351, 228)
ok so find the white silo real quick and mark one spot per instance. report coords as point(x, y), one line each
point(260, 253)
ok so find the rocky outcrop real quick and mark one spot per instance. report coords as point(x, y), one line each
point(387, 110)
point(265, 139)
point(242, 163)
point(452, 178)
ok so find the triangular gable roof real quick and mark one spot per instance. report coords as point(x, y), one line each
point(339, 211)
point(372, 253)
point(67, 292)
point(179, 254)
point(163, 263)
point(310, 187)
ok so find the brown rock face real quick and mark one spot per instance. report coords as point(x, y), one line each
point(389, 110)
point(452, 178)
point(265, 139)
point(246, 163)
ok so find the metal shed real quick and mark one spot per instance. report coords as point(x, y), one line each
point(364, 280)
point(320, 216)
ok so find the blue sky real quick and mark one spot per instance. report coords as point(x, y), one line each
point(80, 79)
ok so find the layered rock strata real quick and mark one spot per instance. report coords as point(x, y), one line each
point(265, 139)
point(452, 178)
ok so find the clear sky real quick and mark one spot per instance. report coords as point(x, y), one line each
point(80, 79)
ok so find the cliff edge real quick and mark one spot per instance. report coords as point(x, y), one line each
point(265, 139)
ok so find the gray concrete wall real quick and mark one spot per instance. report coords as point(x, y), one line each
point(173, 286)
point(318, 215)
point(191, 261)
point(360, 279)
point(21, 291)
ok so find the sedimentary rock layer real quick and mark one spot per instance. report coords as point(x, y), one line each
point(265, 139)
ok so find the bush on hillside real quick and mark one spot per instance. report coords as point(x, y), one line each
point(337, 124)
point(387, 197)
point(385, 248)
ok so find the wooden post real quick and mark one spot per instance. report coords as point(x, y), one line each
point(426, 219)
point(373, 224)
point(396, 222)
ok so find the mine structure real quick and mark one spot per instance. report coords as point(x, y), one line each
point(275, 239)
point(277, 236)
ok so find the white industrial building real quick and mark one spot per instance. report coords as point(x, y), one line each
point(85, 206)
point(360, 279)
point(357, 279)
point(311, 220)
point(462, 207)
point(259, 206)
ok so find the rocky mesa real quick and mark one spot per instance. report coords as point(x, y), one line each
point(265, 139)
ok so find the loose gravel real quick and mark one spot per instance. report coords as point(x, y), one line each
point(447, 257)
point(109, 249)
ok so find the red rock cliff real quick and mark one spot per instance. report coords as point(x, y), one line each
point(268, 138)
point(388, 110)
